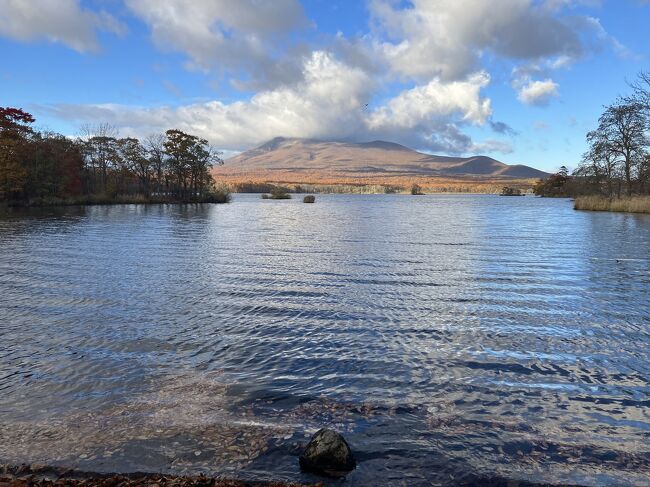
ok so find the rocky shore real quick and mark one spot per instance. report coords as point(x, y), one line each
point(46, 476)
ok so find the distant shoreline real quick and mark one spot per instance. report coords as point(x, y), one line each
point(383, 187)
point(102, 200)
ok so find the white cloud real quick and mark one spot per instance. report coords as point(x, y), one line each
point(329, 103)
point(491, 146)
point(447, 38)
point(238, 36)
point(538, 93)
point(419, 105)
point(436, 51)
point(63, 21)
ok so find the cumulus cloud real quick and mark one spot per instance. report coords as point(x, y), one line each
point(329, 103)
point(538, 93)
point(239, 36)
point(447, 38)
point(435, 99)
point(429, 58)
point(63, 21)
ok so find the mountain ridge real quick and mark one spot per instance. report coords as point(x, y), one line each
point(313, 160)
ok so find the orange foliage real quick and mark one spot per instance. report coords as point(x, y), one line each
point(429, 184)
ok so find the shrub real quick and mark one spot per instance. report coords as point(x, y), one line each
point(509, 191)
point(280, 193)
point(309, 199)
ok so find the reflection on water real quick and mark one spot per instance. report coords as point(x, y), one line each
point(448, 336)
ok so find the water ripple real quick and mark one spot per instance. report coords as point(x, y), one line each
point(452, 337)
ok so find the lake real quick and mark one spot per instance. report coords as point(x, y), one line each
point(448, 337)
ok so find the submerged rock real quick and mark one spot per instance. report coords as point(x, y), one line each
point(328, 453)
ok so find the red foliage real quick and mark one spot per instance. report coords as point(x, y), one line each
point(15, 119)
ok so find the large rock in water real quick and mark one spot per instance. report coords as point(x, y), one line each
point(328, 453)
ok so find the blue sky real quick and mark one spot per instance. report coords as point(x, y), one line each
point(519, 80)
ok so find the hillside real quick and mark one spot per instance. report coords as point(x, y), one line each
point(377, 162)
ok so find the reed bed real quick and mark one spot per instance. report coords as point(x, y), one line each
point(632, 204)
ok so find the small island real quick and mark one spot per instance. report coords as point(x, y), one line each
point(277, 193)
point(509, 191)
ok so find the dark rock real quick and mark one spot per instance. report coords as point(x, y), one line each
point(328, 454)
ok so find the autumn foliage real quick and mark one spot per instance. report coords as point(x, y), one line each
point(48, 168)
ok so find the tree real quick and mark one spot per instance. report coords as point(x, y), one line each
point(190, 159)
point(101, 153)
point(641, 91)
point(621, 133)
point(55, 167)
point(599, 165)
point(155, 148)
point(15, 132)
point(49, 168)
point(641, 97)
point(554, 185)
point(134, 160)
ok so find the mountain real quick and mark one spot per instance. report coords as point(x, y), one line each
point(307, 160)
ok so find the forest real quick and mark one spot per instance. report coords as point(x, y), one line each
point(39, 168)
point(616, 164)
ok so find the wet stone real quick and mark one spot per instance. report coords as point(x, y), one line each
point(328, 454)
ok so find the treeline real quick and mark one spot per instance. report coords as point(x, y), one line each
point(617, 163)
point(40, 168)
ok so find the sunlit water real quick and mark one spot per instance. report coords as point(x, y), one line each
point(448, 337)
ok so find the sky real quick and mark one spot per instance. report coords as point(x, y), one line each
point(518, 80)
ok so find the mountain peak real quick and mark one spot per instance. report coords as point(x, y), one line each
point(382, 144)
point(296, 159)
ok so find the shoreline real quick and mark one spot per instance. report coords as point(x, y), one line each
point(220, 198)
point(45, 476)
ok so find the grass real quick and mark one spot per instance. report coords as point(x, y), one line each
point(367, 186)
point(263, 181)
point(632, 204)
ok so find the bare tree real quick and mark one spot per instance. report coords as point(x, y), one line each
point(641, 88)
point(621, 132)
point(100, 149)
point(600, 164)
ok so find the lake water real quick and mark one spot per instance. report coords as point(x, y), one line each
point(448, 337)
